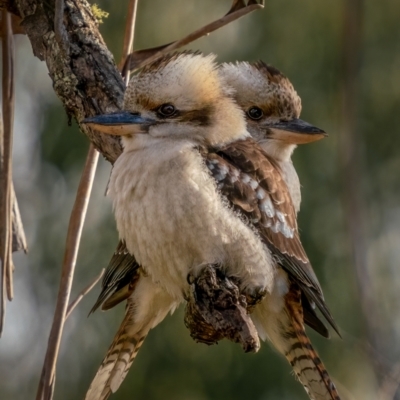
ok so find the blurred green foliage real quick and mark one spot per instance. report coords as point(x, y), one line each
point(303, 39)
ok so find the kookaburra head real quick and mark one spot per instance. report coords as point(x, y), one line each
point(180, 97)
point(272, 108)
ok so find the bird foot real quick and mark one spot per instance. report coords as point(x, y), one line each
point(216, 310)
point(254, 297)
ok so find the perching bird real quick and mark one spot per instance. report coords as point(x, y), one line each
point(202, 192)
point(268, 98)
point(167, 206)
point(272, 109)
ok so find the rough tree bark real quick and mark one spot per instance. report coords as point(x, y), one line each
point(87, 80)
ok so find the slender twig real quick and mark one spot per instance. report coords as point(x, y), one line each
point(71, 251)
point(6, 165)
point(71, 308)
point(83, 293)
point(8, 120)
point(141, 58)
point(128, 37)
point(19, 238)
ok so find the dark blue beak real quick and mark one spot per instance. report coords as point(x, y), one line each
point(120, 123)
point(295, 131)
point(298, 126)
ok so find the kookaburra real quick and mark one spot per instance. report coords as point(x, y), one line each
point(192, 188)
point(272, 109)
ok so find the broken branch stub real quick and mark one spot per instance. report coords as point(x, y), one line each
point(216, 310)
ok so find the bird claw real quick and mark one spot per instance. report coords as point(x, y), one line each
point(254, 296)
point(190, 278)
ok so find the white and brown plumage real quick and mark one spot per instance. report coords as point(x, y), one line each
point(161, 184)
point(201, 191)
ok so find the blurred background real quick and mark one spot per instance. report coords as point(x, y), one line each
point(344, 194)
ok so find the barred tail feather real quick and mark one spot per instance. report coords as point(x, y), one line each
point(117, 361)
point(303, 358)
point(146, 308)
point(280, 319)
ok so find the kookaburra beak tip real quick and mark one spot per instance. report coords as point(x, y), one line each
point(295, 131)
point(121, 123)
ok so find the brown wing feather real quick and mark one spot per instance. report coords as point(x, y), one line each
point(119, 279)
point(253, 184)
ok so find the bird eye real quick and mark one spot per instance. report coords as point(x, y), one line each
point(255, 113)
point(166, 110)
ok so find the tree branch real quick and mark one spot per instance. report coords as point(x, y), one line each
point(75, 227)
point(83, 293)
point(128, 38)
point(87, 81)
point(12, 236)
point(18, 233)
point(6, 198)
